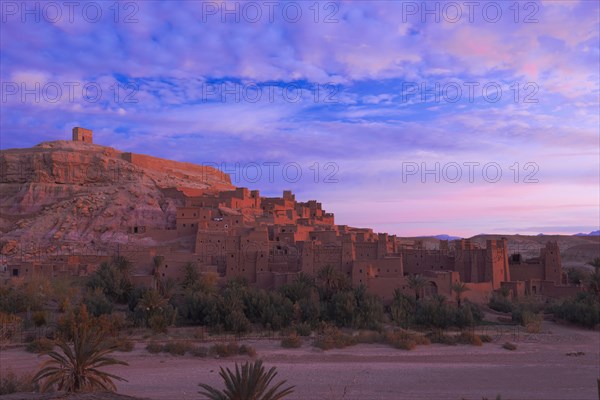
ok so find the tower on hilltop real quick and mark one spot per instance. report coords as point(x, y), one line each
point(82, 135)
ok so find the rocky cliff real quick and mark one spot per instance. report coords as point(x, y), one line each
point(67, 191)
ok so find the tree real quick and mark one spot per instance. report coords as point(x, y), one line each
point(402, 309)
point(331, 281)
point(459, 288)
point(114, 279)
point(191, 277)
point(593, 280)
point(155, 310)
point(252, 382)
point(417, 283)
point(76, 368)
point(156, 272)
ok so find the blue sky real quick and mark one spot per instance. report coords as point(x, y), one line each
point(420, 117)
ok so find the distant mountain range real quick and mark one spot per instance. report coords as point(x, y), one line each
point(593, 233)
point(442, 237)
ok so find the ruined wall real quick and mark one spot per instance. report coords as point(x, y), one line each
point(549, 289)
point(526, 271)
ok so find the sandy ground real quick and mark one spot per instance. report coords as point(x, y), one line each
point(538, 369)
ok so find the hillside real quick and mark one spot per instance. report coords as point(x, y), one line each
point(64, 191)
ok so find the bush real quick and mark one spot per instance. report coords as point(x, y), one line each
point(219, 349)
point(404, 340)
point(509, 346)
point(154, 347)
point(125, 345)
point(441, 338)
point(158, 323)
point(39, 346)
point(333, 338)
point(292, 341)
point(39, 318)
point(532, 322)
point(199, 351)
point(248, 350)
point(486, 338)
point(303, 329)
point(97, 302)
point(11, 383)
point(178, 348)
point(469, 338)
point(231, 349)
point(583, 309)
point(369, 337)
point(500, 303)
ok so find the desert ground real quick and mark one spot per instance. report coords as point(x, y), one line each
point(540, 368)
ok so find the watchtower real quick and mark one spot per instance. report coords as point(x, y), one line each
point(82, 135)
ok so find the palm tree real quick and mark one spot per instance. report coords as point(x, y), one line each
point(417, 283)
point(152, 303)
point(156, 271)
point(251, 383)
point(459, 288)
point(76, 368)
point(331, 280)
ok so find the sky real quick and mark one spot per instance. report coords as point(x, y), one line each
point(413, 118)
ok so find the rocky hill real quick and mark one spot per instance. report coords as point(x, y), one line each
point(67, 191)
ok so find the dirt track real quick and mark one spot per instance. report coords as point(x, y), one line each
point(538, 369)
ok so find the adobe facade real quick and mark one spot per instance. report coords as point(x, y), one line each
point(270, 240)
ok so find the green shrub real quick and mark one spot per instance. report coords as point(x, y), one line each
point(509, 346)
point(583, 309)
point(303, 329)
point(500, 303)
point(97, 302)
point(154, 347)
point(42, 345)
point(292, 341)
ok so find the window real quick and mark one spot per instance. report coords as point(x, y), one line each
point(15, 272)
